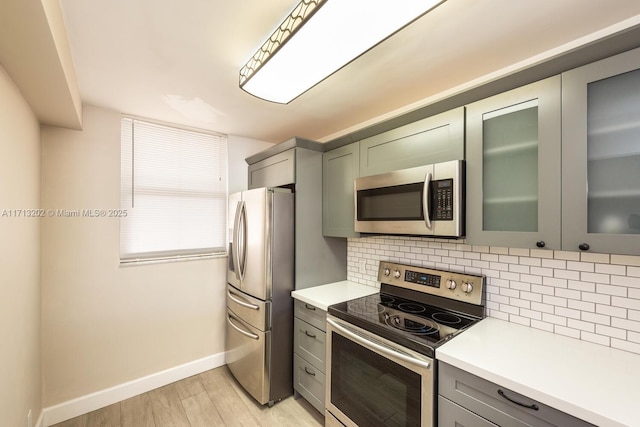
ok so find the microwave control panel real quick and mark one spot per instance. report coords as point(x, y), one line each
point(442, 191)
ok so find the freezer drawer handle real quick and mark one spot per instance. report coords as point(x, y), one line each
point(242, 303)
point(243, 332)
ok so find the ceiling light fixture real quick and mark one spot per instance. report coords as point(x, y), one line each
point(318, 38)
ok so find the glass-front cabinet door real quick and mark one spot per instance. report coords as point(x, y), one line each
point(513, 167)
point(601, 156)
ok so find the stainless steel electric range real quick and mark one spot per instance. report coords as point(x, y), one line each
point(381, 348)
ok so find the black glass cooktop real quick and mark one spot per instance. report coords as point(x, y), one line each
point(415, 325)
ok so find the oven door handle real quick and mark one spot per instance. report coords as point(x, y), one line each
point(377, 347)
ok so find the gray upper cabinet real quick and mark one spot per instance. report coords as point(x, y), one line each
point(513, 167)
point(439, 138)
point(274, 171)
point(601, 156)
point(339, 168)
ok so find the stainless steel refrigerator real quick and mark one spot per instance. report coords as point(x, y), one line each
point(260, 278)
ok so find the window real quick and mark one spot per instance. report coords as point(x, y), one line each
point(173, 191)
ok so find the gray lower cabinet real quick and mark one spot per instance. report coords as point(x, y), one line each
point(513, 167)
point(339, 168)
point(436, 139)
point(467, 400)
point(309, 347)
point(601, 148)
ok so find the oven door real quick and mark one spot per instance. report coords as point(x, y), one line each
point(375, 382)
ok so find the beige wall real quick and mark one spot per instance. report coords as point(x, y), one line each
point(239, 149)
point(103, 324)
point(20, 374)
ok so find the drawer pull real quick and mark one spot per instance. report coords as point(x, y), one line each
point(313, 374)
point(309, 334)
point(309, 307)
point(532, 406)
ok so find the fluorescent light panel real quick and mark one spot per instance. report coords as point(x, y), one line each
point(338, 32)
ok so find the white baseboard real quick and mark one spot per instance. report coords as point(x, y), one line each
point(82, 405)
point(39, 422)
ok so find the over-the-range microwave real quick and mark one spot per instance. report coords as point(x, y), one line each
point(425, 200)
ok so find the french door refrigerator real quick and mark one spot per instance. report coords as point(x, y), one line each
point(260, 278)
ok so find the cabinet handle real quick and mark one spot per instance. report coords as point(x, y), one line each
point(532, 406)
point(313, 374)
point(310, 335)
point(540, 244)
point(309, 307)
point(583, 246)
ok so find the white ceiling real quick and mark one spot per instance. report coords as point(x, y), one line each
point(178, 61)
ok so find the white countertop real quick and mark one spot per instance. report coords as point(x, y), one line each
point(325, 295)
point(598, 384)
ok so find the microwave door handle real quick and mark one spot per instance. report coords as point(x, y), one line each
point(426, 197)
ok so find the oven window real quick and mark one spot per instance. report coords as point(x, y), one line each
point(397, 203)
point(370, 389)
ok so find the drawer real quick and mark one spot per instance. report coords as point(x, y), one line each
point(311, 314)
point(452, 415)
point(499, 404)
point(309, 343)
point(309, 382)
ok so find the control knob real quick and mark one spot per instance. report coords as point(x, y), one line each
point(467, 287)
point(387, 271)
point(396, 274)
point(451, 284)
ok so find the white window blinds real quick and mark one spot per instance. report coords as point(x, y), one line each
point(174, 191)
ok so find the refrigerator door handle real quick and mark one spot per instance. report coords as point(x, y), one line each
point(242, 254)
point(236, 241)
point(242, 331)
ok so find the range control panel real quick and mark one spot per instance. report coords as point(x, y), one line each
point(448, 284)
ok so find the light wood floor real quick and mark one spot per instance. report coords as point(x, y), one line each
point(212, 398)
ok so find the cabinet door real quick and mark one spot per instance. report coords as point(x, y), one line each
point(601, 156)
point(274, 171)
point(513, 167)
point(339, 168)
point(436, 139)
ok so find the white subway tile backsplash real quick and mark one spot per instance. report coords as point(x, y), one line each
point(595, 278)
point(593, 257)
point(561, 330)
point(627, 281)
point(588, 296)
point(619, 270)
point(620, 291)
point(582, 325)
point(595, 338)
point(581, 266)
point(626, 260)
point(581, 305)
